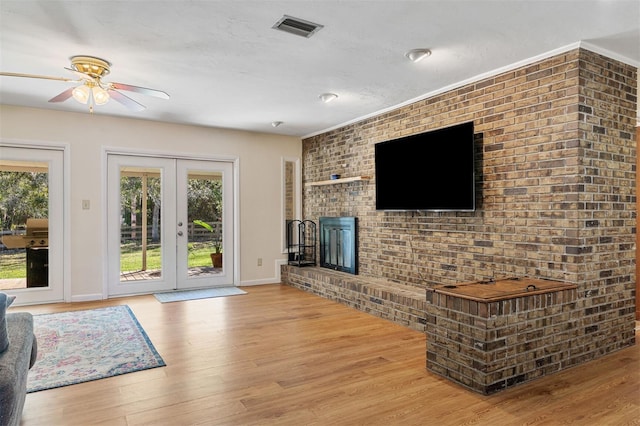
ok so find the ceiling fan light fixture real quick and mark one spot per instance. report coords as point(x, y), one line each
point(100, 96)
point(90, 65)
point(81, 94)
point(416, 55)
point(328, 97)
point(92, 90)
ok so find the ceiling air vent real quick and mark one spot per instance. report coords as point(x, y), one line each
point(297, 26)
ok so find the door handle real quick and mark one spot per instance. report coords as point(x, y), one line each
point(180, 234)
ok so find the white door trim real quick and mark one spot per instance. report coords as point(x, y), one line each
point(225, 169)
point(235, 160)
point(167, 278)
point(66, 197)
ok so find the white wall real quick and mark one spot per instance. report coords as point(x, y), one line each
point(88, 134)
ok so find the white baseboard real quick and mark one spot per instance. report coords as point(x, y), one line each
point(275, 280)
point(262, 281)
point(86, 297)
point(258, 282)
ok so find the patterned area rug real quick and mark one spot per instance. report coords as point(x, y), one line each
point(80, 346)
point(205, 293)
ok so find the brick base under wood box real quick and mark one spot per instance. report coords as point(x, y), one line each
point(400, 303)
point(490, 346)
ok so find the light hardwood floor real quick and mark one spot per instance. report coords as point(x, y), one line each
point(282, 356)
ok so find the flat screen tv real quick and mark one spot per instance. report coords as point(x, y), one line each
point(432, 171)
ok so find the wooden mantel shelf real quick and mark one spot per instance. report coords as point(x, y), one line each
point(336, 181)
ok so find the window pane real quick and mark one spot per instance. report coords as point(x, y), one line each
point(204, 211)
point(24, 212)
point(140, 220)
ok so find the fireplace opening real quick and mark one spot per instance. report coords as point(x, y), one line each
point(339, 243)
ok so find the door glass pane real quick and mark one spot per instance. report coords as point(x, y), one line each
point(24, 225)
point(204, 212)
point(140, 224)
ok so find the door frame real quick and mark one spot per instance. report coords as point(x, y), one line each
point(66, 197)
point(166, 170)
point(235, 160)
point(225, 169)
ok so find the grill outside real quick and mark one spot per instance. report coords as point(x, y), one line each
point(37, 235)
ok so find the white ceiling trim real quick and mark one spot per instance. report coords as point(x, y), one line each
point(608, 53)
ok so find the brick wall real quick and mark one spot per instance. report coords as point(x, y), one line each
point(399, 303)
point(556, 189)
point(491, 346)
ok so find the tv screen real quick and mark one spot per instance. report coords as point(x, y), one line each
point(428, 171)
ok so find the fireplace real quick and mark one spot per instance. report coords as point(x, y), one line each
point(339, 243)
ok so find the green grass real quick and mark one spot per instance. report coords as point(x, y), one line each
point(131, 256)
point(200, 255)
point(13, 264)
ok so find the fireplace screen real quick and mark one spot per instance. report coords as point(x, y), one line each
point(301, 242)
point(339, 244)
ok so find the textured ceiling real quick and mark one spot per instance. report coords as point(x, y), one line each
point(224, 66)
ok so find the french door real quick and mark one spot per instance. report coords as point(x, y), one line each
point(170, 224)
point(32, 223)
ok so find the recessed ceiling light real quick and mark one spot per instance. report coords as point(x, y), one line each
point(328, 97)
point(276, 123)
point(416, 55)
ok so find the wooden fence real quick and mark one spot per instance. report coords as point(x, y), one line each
point(130, 234)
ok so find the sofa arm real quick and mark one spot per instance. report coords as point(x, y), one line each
point(14, 366)
point(34, 352)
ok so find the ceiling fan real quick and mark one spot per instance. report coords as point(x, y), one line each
point(92, 90)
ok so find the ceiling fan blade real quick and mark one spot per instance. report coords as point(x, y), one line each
point(80, 75)
point(44, 77)
point(63, 96)
point(143, 90)
point(126, 101)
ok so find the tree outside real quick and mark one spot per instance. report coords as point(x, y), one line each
point(23, 195)
point(204, 197)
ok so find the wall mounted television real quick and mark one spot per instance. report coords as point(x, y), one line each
point(431, 171)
